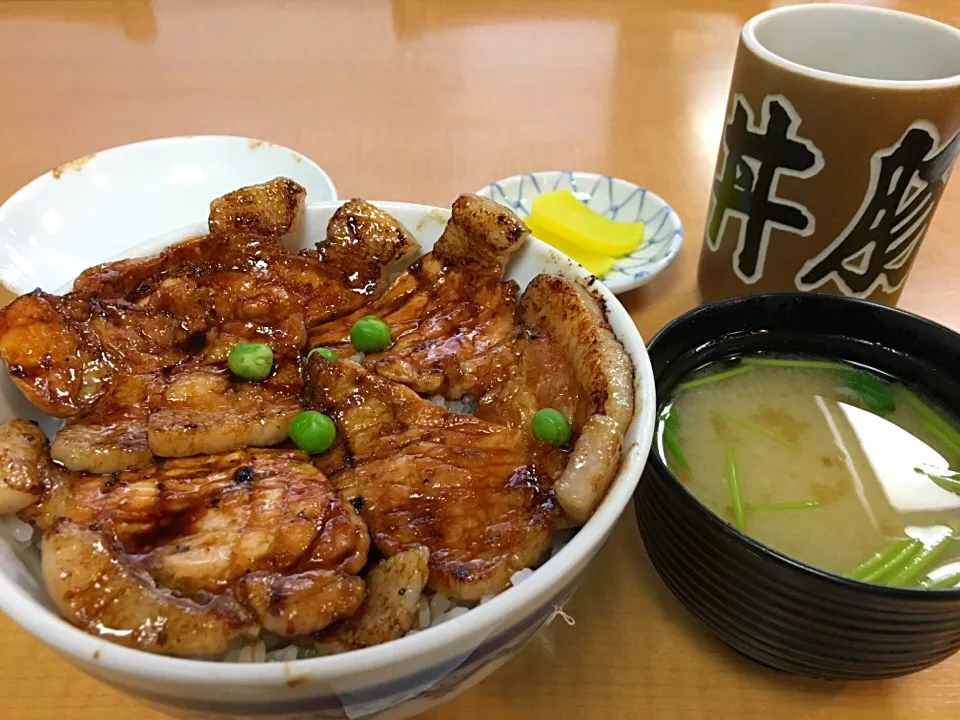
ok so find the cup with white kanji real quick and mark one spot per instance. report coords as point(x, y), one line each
point(842, 127)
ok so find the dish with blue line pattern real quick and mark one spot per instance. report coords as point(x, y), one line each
point(613, 198)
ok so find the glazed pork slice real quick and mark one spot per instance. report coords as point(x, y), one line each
point(244, 225)
point(63, 352)
point(571, 316)
point(199, 524)
point(394, 588)
point(112, 434)
point(463, 487)
point(536, 374)
point(242, 272)
point(271, 209)
point(249, 282)
point(23, 467)
point(206, 410)
point(189, 305)
point(133, 382)
point(190, 409)
point(98, 588)
point(363, 243)
point(350, 267)
point(212, 278)
point(208, 548)
point(122, 356)
point(451, 317)
point(584, 371)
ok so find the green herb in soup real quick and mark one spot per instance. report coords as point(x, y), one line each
point(827, 462)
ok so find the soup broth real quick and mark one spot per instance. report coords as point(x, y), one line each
point(830, 464)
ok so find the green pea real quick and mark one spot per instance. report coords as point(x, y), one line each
point(312, 432)
point(250, 360)
point(325, 353)
point(551, 426)
point(370, 334)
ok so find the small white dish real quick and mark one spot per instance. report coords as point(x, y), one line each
point(93, 208)
point(614, 198)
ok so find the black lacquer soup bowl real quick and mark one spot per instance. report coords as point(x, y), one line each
point(775, 610)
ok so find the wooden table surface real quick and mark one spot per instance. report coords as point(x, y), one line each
point(417, 100)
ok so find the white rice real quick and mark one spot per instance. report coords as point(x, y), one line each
point(433, 610)
point(423, 613)
point(451, 614)
point(521, 575)
point(286, 654)
point(271, 648)
point(439, 604)
point(20, 532)
point(467, 405)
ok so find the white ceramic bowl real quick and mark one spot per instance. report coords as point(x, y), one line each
point(92, 208)
point(617, 199)
point(400, 678)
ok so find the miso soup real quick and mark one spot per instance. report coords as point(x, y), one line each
point(826, 462)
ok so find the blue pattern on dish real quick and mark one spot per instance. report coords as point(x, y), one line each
point(614, 198)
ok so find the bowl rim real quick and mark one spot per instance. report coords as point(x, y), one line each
point(656, 464)
point(50, 628)
point(748, 35)
point(30, 186)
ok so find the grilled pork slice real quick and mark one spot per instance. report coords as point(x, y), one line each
point(63, 352)
point(100, 589)
point(122, 356)
point(244, 226)
point(189, 409)
point(363, 243)
point(207, 410)
point(537, 375)
point(208, 548)
point(451, 317)
point(271, 209)
point(567, 314)
point(23, 448)
point(394, 587)
point(112, 435)
point(200, 523)
point(303, 603)
point(242, 272)
point(463, 487)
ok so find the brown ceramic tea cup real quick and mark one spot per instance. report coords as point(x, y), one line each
point(842, 126)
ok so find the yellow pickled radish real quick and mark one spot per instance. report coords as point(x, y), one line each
point(560, 213)
point(597, 264)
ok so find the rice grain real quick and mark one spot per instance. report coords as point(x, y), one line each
point(439, 604)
